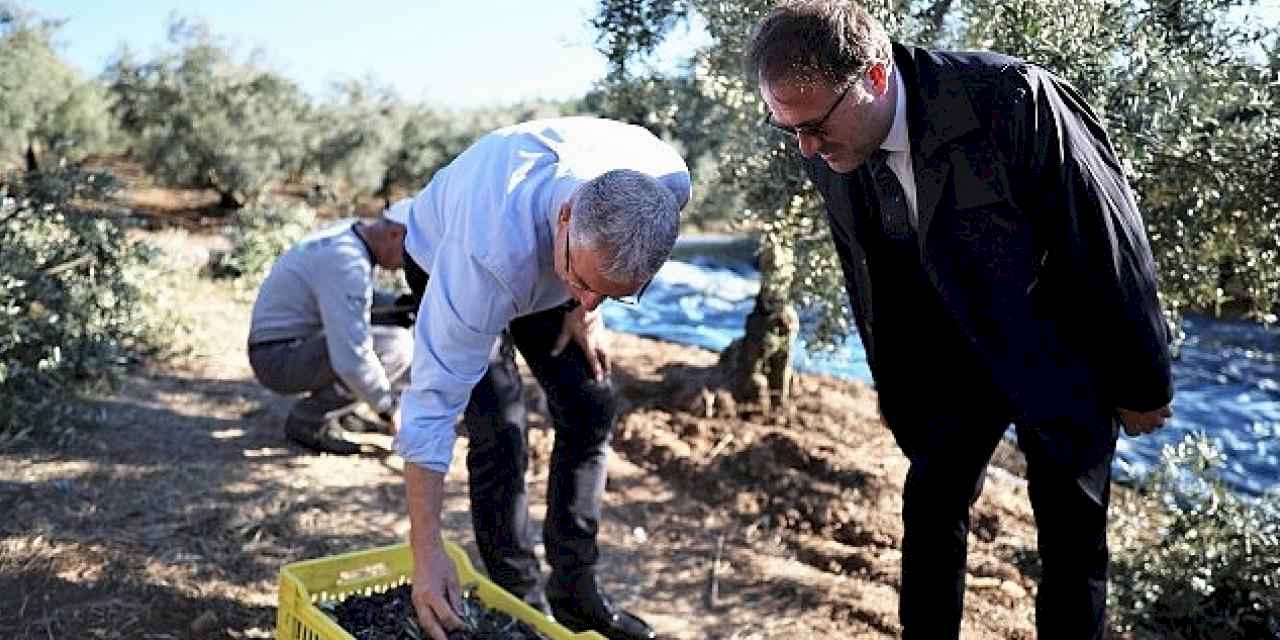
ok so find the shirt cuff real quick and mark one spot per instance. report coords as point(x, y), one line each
point(429, 446)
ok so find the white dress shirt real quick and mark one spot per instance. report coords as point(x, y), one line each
point(898, 144)
point(484, 229)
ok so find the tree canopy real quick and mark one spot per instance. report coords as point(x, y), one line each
point(203, 119)
point(1188, 90)
point(49, 108)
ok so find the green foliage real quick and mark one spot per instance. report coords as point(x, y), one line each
point(354, 137)
point(752, 177)
point(1187, 90)
point(674, 110)
point(1194, 111)
point(198, 115)
point(73, 305)
point(46, 103)
point(629, 29)
point(1194, 561)
point(201, 119)
point(428, 142)
point(429, 139)
point(260, 234)
point(369, 142)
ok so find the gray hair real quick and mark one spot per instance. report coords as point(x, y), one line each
point(834, 40)
point(631, 218)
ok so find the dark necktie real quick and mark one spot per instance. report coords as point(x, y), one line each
point(893, 200)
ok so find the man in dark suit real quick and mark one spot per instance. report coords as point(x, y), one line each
point(999, 273)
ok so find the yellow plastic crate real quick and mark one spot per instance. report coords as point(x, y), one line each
point(334, 578)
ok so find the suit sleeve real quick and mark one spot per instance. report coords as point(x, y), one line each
point(1097, 254)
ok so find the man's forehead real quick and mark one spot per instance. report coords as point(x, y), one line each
point(794, 86)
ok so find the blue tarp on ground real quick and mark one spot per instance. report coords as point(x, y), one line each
point(1226, 377)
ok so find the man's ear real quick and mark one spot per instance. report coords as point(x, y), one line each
point(565, 211)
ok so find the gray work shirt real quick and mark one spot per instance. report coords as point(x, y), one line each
point(324, 284)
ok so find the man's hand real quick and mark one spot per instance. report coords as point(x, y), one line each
point(587, 329)
point(437, 597)
point(1138, 423)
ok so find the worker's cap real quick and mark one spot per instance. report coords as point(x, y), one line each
point(399, 212)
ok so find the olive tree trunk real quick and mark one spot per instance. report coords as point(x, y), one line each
point(757, 367)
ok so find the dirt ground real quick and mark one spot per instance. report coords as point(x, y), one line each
point(170, 514)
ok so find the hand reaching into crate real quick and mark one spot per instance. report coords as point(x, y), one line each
point(437, 595)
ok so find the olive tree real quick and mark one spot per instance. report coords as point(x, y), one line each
point(1192, 114)
point(77, 298)
point(354, 137)
point(1201, 562)
point(1188, 92)
point(47, 108)
point(430, 138)
point(203, 119)
point(757, 174)
point(1193, 107)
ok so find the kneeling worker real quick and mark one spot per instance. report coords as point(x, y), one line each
point(311, 331)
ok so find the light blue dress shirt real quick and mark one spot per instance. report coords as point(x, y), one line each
point(484, 229)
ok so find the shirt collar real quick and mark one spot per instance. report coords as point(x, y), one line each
point(897, 139)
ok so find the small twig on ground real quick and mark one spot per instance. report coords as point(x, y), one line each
point(713, 591)
point(70, 264)
point(725, 440)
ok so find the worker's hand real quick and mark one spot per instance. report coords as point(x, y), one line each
point(587, 329)
point(437, 596)
point(1138, 423)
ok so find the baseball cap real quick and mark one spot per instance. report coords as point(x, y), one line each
point(399, 212)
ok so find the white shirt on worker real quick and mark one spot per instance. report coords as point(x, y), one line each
point(484, 229)
point(898, 144)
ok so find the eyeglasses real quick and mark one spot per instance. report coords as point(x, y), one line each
point(808, 128)
point(577, 283)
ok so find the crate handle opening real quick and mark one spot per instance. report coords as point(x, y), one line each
point(379, 570)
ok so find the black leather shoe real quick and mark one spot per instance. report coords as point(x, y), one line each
point(325, 437)
point(590, 610)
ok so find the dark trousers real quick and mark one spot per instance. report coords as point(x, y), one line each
point(949, 458)
point(302, 366)
point(583, 413)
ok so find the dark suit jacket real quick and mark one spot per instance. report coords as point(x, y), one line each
point(1029, 232)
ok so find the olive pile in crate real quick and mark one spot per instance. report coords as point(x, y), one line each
point(389, 616)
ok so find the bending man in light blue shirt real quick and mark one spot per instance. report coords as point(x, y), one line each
point(531, 228)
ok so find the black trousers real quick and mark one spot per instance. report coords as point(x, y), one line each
point(948, 415)
point(583, 413)
point(949, 456)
